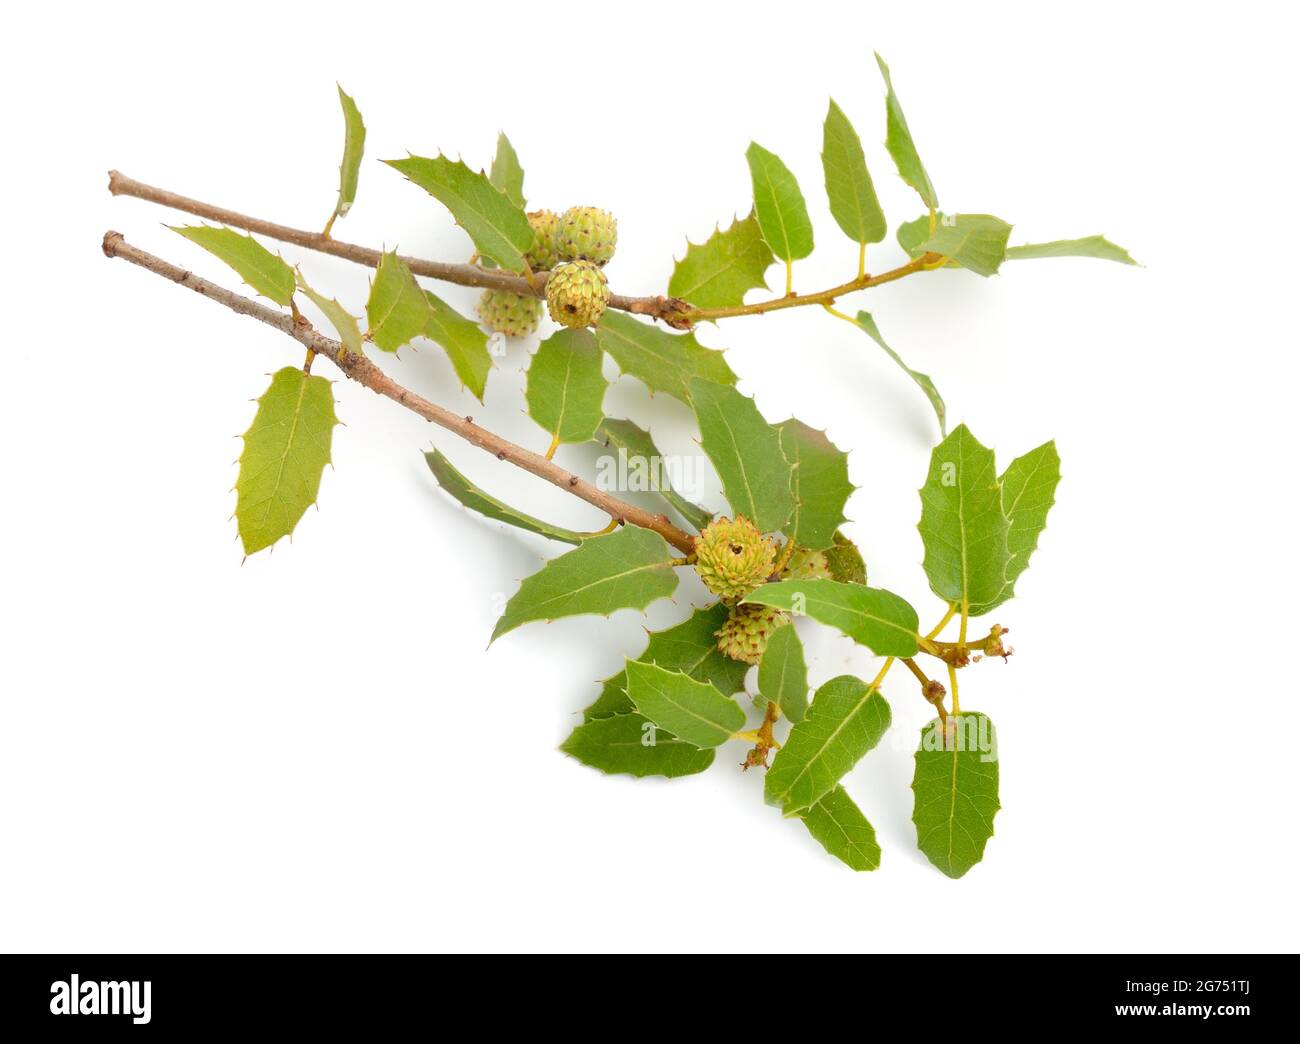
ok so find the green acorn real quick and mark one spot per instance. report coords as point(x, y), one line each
point(577, 293)
point(733, 558)
point(542, 257)
point(807, 565)
point(514, 315)
point(744, 636)
point(586, 234)
point(845, 561)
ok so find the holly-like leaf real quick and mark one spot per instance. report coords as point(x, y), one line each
point(1089, 246)
point(644, 466)
point(956, 789)
point(898, 140)
point(690, 647)
point(820, 483)
point(693, 711)
point(463, 341)
point(783, 674)
point(462, 489)
point(496, 223)
point(285, 451)
point(662, 361)
point(507, 174)
point(267, 273)
point(911, 234)
point(397, 309)
point(963, 526)
point(977, 242)
point(633, 745)
point(628, 569)
point(922, 380)
point(845, 561)
point(718, 272)
point(1028, 492)
point(778, 205)
point(746, 451)
point(871, 616)
point(839, 826)
point(566, 387)
point(344, 322)
point(852, 195)
point(354, 145)
point(846, 719)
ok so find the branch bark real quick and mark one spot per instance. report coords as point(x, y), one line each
point(671, 310)
point(668, 309)
point(364, 372)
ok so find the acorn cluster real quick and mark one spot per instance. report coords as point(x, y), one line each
point(573, 247)
point(733, 558)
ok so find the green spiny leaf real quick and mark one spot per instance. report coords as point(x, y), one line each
point(871, 616)
point(845, 561)
point(628, 569)
point(820, 483)
point(898, 140)
point(397, 309)
point(847, 718)
point(463, 341)
point(962, 522)
point(691, 710)
point(645, 468)
point(839, 826)
point(956, 788)
point(977, 242)
point(343, 321)
point(1089, 246)
point(852, 196)
point(662, 361)
point(566, 386)
point(496, 223)
point(691, 647)
point(507, 174)
point(285, 451)
point(1028, 492)
point(718, 272)
point(923, 381)
point(267, 273)
point(911, 234)
point(632, 745)
point(746, 451)
point(475, 499)
point(354, 145)
point(783, 674)
point(778, 205)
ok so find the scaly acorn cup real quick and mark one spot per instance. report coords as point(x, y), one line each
point(807, 565)
point(543, 256)
point(733, 558)
point(587, 234)
point(577, 293)
point(515, 315)
point(744, 636)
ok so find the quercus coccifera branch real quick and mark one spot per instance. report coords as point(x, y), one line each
point(790, 480)
point(364, 372)
point(666, 308)
point(672, 311)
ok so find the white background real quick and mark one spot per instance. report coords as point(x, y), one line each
point(314, 750)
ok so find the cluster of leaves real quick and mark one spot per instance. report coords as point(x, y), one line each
point(669, 709)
